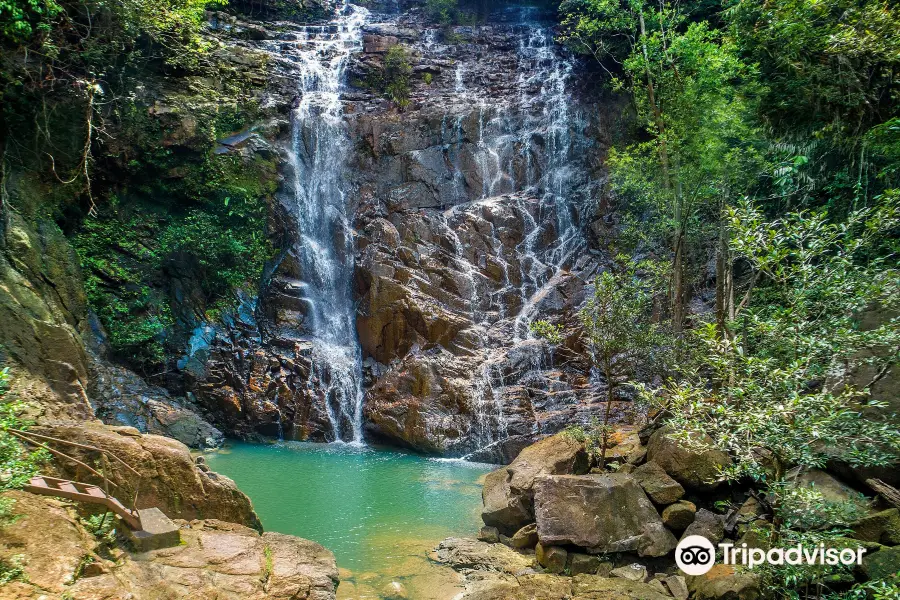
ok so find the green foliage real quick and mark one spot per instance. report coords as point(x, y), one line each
point(770, 406)
point(20, 19)
point(828, 64)
point(18, 463)
point(441, 11)
point(12, 569)
point(395, 75)
point(448, 12)
point(548, 331)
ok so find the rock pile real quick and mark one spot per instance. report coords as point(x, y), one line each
point(613, 533)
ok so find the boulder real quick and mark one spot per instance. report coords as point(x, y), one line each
point(632, 572)
point(708, 524)
point(832, 489)
point(169, 478)
point(882, 564)
point(466, 553)
point(587, 587)
point(489, 534)
point(677, 586)
point(882, 527)
point(583, 563)
point(678, 516)
point(508, 494)
point(49, 538)
point(215, 559)
point(723, 582)
point(603, 513)
point(661, 488)
point(526, 537)
point(695, 469)
point(552, 558)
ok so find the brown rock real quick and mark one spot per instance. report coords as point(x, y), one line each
point(661, 488)
point(526, 537)
point(722, 582)
point(603, 513)
point(632, 572)
point(466, 553)
point(170, 480)
point(708, 524)
point(508, 492)
point(48, 537)
point(552, 558)
point(489, 534)
point(583, 563)
point(678, 516)
point(697, 470)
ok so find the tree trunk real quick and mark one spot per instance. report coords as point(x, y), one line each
point(604, 438)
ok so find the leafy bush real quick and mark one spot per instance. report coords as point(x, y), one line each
point(442, 11)
point(395, 75)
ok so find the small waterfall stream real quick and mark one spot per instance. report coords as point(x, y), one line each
point(536, 129)
point(322, 208)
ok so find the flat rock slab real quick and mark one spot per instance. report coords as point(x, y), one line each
point(157, 531)
point(603, 513)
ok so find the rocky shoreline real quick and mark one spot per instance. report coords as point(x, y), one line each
point(554, 528)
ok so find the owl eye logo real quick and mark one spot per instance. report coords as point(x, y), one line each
point(695, 555)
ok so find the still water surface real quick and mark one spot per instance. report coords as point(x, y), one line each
point(379, 511)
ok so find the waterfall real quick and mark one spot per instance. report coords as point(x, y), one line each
point(528, 156)
point(323, 212)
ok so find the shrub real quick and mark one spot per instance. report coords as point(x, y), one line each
point(395, 75)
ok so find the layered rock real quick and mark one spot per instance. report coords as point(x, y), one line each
point(215, 559)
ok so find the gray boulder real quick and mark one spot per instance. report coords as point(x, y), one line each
point(603, 513)
point(695, 469)
point(507, 493)
point(661, 488)
point(708, 524)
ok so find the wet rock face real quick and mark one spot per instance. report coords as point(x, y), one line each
point(475, 206)
point(472, 210)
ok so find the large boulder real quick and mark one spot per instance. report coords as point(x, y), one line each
point(707, 524)
point(603, 513)
point(60, 559)
point(695, 469)
point(168, 478)
point(508, 492)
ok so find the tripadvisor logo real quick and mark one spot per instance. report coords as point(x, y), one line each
point(696, 555)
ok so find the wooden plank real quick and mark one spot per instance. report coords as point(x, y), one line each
point(67, 486)
point(95, 492)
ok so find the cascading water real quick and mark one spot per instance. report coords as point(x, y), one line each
point(525, 150)
point(319, 150)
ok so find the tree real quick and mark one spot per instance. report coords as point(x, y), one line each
point(620, 336)
point(693, 97)
point(775, 395)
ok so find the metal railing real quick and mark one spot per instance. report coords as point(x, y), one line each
point(32, 438)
